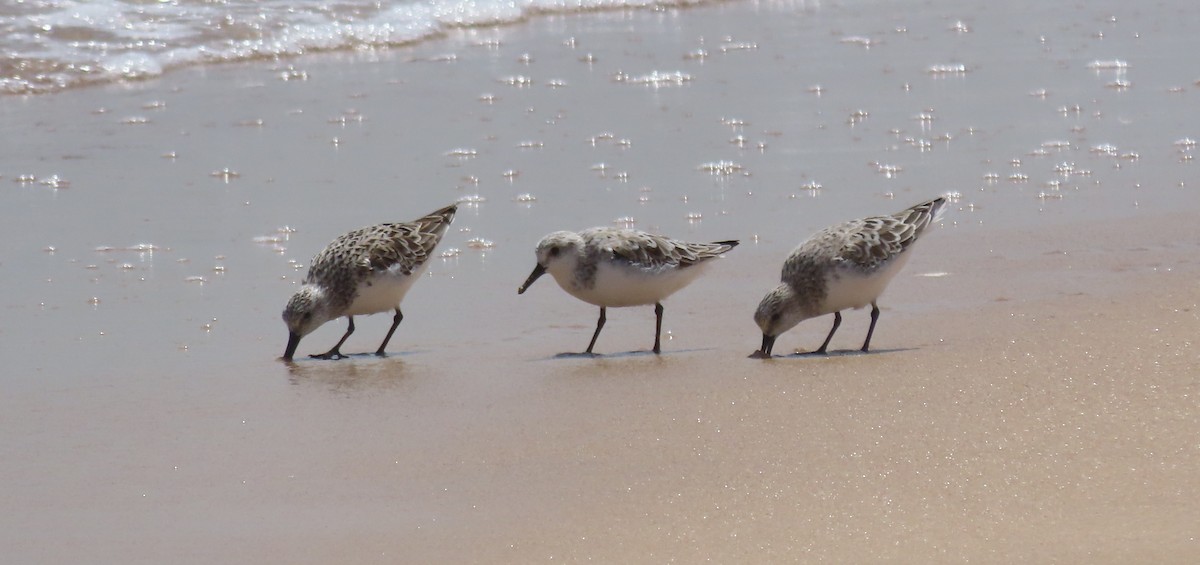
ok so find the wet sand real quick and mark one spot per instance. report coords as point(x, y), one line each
point(1032, 396)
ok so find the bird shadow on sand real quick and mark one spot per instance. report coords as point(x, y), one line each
point(308, 359)
point(837, 354)
point(645, 353)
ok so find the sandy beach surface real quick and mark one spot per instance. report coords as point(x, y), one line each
point(1033, 394)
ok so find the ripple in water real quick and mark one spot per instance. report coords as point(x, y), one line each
point(655, 78)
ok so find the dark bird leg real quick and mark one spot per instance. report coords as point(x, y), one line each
point(395, 323)
point(336, 353)
point(658, 310)
point(837, 321)
point(599, 325)
point(871, 330)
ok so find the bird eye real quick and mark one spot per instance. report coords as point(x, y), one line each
point(307, 316)
point(775, 318)
point(553, 252)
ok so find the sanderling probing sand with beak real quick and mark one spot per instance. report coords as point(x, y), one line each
point(621, 267)
point(365, 271)
point(844, 266)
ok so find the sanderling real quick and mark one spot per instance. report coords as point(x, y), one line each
point(621, 267)
point(366, 271)
point(844, 266)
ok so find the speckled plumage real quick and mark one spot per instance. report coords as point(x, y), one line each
point(621, 267)
point(365, 271)
point(844, 266)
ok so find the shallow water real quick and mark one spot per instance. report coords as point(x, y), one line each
point(142, 163)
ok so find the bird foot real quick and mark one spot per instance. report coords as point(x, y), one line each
point(759, 354)
point(328, 355)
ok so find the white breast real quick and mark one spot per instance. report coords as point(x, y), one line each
point(383, 292)
point(852, 289)
point(620, 286)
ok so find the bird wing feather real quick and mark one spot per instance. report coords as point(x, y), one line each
point(650, 251)
point(869, 242)
point(401, 245)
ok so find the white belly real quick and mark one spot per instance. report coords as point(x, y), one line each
point(851, 289)
point(629, 287)
point(383, 292)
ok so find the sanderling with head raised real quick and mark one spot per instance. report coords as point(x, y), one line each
point(843, 266)
point(621, 267)
point(365, 271)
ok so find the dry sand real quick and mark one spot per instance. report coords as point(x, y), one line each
point(1033, 395)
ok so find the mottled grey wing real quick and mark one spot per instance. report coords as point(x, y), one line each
point(394, 245)
point(638, 248)
point(405, 245)
point(378, 247)
point(651, 251)
point(871, 241)
point(343, 251)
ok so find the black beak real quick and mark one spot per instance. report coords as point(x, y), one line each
point(293, 342)
point(538, 271)
point(768, 343)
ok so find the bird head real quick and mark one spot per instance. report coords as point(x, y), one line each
point(556, 253)
point(305, 312)
point(778, 312)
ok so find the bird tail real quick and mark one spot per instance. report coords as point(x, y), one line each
point(438, 220)
point(720, 247)
point(939, 208)
point(925, 214)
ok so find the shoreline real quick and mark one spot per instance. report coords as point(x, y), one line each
point(135, 69)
